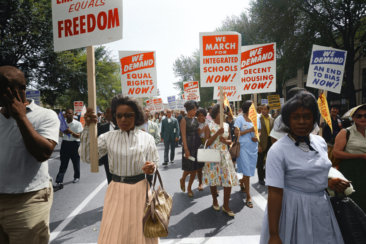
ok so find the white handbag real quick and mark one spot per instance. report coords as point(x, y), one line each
point(208, 155)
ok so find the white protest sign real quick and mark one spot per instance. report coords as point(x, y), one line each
point(326, 68)
point(220, 58)
point(85, 23)
point(180, 105)
point(138, 73)
point(258, 68)
point(191, 90)
point(158, 104)
point(172, 102)
point(232, 93)
point(78, 106)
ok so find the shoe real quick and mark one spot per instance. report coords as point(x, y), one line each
point(76, 180)
point(216, 208)
point(58, 186)
point(229, 213)
point(262, 182)
point(172, 162)
point(200, 187)
point(249, 204)
point(165, 163)
point(182, 185)
point(190, 194)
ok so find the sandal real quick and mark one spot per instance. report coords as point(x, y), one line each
point(200, 188)
point(190, 194)
point(229, 213)
point(249, 204)
point(182, 185)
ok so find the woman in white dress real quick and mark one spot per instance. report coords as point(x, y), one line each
point(131, 154)
point(297, 166)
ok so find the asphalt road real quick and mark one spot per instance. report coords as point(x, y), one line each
point(77, 208)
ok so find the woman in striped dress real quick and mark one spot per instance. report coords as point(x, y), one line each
point(131, 154)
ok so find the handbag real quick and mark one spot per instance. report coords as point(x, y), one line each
point(157, 210)
point(235, 149)
point(208, 155)
point(351, 219)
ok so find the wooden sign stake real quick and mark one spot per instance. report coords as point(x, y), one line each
point(92, 103)
point(221, 106)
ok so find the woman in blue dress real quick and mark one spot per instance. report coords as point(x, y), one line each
point(247, 160)
point(299, 210)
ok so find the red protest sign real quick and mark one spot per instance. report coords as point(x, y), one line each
point(220, 58)
point(191, 90)
point(138, 73)
point(78, 106)
point(158, 104)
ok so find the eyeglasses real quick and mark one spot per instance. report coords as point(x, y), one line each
point(126, 115)
point(359, 116)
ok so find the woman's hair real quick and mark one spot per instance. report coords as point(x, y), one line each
point(122, 100)
point(189, 105)
point(215, 111)
point(246, 105)
point(302, 99)
point(201, 111)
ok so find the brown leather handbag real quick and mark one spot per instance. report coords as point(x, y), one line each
point(157, 210)
point(235, 149)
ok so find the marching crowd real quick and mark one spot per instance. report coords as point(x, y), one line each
point(291, 159)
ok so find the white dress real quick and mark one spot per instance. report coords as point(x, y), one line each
point(307, 216)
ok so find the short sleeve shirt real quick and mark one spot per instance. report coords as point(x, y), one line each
point(19, 171)
point(76, 127)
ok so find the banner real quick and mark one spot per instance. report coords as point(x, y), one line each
point(326, 68)
point(258, 68)
point(158, 104)
point(274, 101)
point(253, 116)
point(220, 58)
point(138, 73)
point(232, 93)
point(191, 90)
point(85, 23)
point(78, 106)
point(324, 110)
point(172, 102)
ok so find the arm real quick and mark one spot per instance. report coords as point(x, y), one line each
point(177, 132)
point(152, 158)
point(210, 139)
point(274, 212)
point(184, 138)
point(340, 144)
point(162, 130)
point(156, 133)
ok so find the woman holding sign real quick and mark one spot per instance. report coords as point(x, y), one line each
point(132, 153)
point(247, 160)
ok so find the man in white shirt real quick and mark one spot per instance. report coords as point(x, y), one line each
point(28, 136)
point(69, 149)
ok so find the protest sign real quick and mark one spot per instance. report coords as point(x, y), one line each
point(78, 106)
point(191, 90)
point(253, 116)
point(326, 68)
point(138, 73)
point(258, 68)
point(324, 110)
point(84, 23)
point(232, 93)
point(158, 104)
point(35, 95)
point(264, 101)
point(180, 105)
point(172, 102)
point(220, 58)
point(150, 105)
point(274, 101)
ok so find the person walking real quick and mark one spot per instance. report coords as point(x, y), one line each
point(298, 209)
point(264, 142)
point(69, 149)
point(247, 159)
point(103, 128)
point(169, 135)
point(132, 153)
point(28, 136)
point(191, 143)
point(222, 173)
point(150, 127)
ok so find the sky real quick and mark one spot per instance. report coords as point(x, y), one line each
point(171, 28)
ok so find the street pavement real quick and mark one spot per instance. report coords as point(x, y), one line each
point(77, 208)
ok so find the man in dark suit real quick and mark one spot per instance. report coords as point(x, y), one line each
point(169, 135)
point(103, 128)
point(264, 141)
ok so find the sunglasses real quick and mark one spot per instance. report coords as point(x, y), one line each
point(126, 115)
point(359, 116)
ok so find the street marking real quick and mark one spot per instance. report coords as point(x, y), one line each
point(77, 210)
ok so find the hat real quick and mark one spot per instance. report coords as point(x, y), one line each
point(357, 108)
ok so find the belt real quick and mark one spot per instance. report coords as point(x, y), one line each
point(128, 179)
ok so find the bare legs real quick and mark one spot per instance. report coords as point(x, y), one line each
point(190, 182)
point(227, 193)
point(245, 180)
point(199, 176)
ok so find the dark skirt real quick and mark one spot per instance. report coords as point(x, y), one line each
point(355, 170)
point(193, 143)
